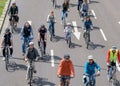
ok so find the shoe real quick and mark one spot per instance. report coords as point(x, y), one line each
point(3, 58)
point(26, 78)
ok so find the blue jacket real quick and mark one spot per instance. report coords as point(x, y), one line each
point(90, 68)
point(88, 24)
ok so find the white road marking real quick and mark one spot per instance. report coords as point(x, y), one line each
point(76, 33)
point(30, 22)
point(52, 58)
point(93, 12)
point(103, 34)
point(117, 66)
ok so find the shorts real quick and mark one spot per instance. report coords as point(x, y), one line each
point(63, 78)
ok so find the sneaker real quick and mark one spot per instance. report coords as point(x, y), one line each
point(26, 78)
point(3, 58)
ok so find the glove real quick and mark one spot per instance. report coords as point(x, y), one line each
point(108, 64)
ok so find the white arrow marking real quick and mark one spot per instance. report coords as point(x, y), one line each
point(52, 58)
point(76, 33)
point(103, 34)
point(117, 66)
point(94, 14)
point(30, 22)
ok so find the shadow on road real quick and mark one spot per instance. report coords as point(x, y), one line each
point(93, 46)
point(91, 2)
point(42, 82)
point(73, 45)
point(57, 38)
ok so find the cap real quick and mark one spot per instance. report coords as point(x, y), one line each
point(7, 30)
point(13, 3)
point(90, 57)
point(31, 43)
point(66, 56)
point(114, 47)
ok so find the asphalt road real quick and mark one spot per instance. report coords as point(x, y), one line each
point(104, 35)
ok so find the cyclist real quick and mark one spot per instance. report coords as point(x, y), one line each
point(68, 30)
point(42, 35)
point(31, 54)
point(51, 20)
point(89, 70)
point(88, 26)
point(113, 55)
point(65, 7)
point(84, 8)
point(65, 70)
point(26, 36)
point(7, 40)
point(13, 12)
point(79, 4)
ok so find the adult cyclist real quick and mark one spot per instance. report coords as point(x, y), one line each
point(31, 54)
point(7, 40)
point(51, 20)
point(89, 70)
point(65, 70)
point(84, 9)
point(42, 36)
point(26, 36)
point(13, 12)
point(88, 25)
point(65, 7)
point(113, 55)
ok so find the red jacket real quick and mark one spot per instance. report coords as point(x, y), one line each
point(108, 56)
point(65, 68)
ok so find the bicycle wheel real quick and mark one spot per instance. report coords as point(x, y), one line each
point(30, 76)
point(7, 59)
point(64, 22)
point(86, 41)
point(69, 42)
point(42, 49)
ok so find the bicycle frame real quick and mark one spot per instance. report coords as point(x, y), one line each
point(12, 23)
point(6, 56)
point(30, 72)
point(68, 40)
point(87, 38)
point(42, 48)
point(64, 81)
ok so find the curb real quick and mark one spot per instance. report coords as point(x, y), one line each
point(4, 13)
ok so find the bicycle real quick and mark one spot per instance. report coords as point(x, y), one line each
point(64, 80)
point(54, 3)
point(12, 24)
point(112, 75)
point(7, 55)
point(68, 40)
point(51, 30)
point(30, 73)
point(90, 79)
point(86, 36)
point(64, 19)
point(42, 48)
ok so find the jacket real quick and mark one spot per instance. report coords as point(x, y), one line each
point(108, 56)
point(66, 68)
point(13, 10)
point(90, 68)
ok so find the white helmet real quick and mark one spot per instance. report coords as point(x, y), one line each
point(69, 24)
point(90, 57)
point(31, 43)
point(114, 47)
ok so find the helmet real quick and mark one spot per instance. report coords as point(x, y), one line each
point(7, 30)
point(114, 48)
point(42, 25)
point(68, 23)
point(66, 56)
point(31, 43)
point(90, 57)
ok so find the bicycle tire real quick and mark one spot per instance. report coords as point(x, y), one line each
point(30, 76)
point(7, 59)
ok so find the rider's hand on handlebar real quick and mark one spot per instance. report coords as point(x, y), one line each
point(72, 76)
point(98, 73)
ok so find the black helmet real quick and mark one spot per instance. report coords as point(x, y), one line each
point(66, 56)
point(7, 30)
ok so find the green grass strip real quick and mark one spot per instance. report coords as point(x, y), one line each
point(2, 5)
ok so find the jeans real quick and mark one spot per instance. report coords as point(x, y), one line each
point(79, 4)
point(88, 80)
point(51, 26)
point(24, 41)
point(64, 14)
